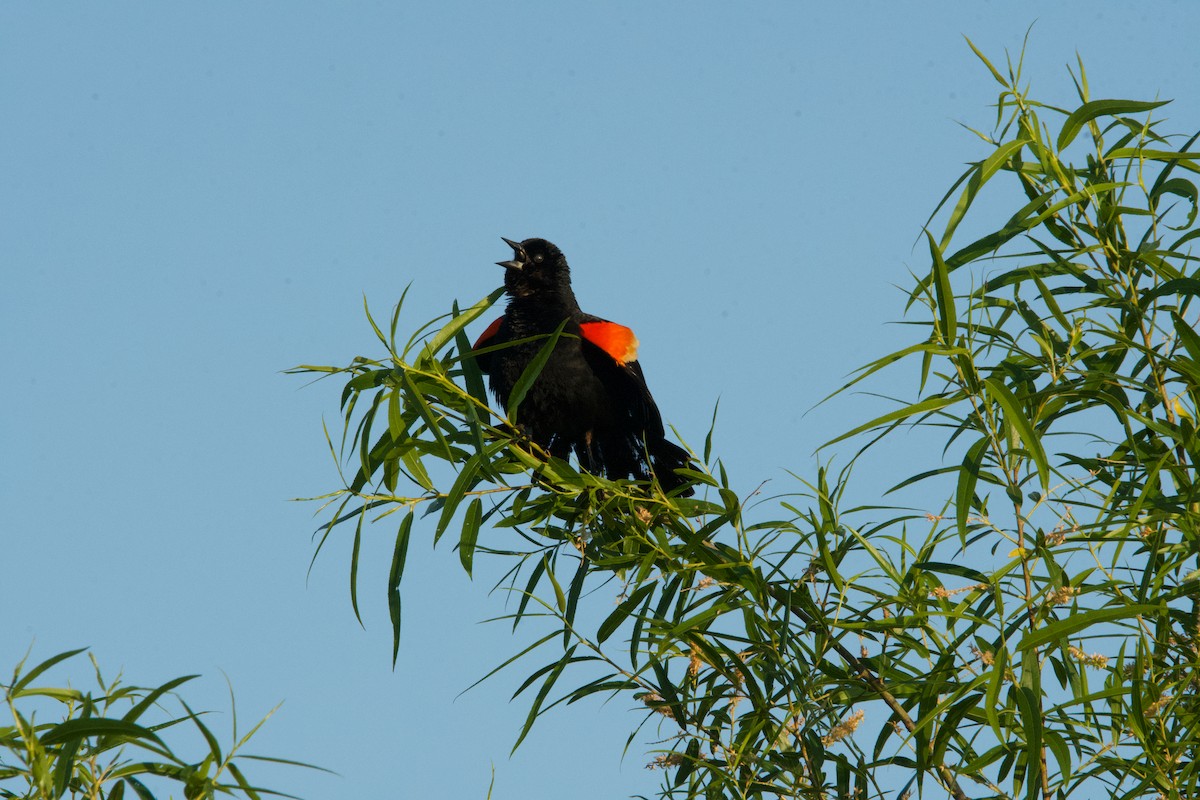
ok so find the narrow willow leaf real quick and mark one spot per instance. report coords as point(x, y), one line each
point(948, 722)
point(980, 175)
point(396, 320)
point(371, 457)
point(1187, 160)
point(573, 592)
point(708, 439)
point(1023, 427)
point(397, 425)
point(370, 319)
point(472, 375)
point(412, 459)
point(65, 764)
point(432, 420)
point(150, 699)
point(1031, 725)
point(15, 690)
point(399, 555)
point(531, 372)
point(535, 709)
point(559, 598)
point(245, 785)
point(511, 660)
point(214, 746)
point(459, 322)
point(961, 570)
point(140, 789)
point(1059, 747)
point(470, 533)
point(927, 349)
point(464, 481)
point(622, 612)
point(997, 680)
point(928, 405)
point(354, 552)
point(995, 73)
point(1088, 192)
point(968, 478)
point(530, 588)
point(1085, 619)
point(691, 755)
point(1182, 286)
point(1187, 336)
point(73, 729)
point(1100, 108)
point(947, 316)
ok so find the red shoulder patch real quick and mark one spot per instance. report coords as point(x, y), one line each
point(488, 334)
point(616, 340)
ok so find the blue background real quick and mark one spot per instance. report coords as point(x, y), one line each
point(195, 197)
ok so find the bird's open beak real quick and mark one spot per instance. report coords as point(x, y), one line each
point(518, 252)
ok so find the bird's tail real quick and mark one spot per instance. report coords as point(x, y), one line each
point(665, 458)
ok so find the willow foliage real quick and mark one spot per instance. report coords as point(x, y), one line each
point(1033, 635)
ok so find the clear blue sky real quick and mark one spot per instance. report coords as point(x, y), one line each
point(196, 196)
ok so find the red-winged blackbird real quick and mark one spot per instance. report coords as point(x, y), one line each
point(590, 398)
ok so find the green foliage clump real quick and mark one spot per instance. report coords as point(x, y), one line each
point(1034, 634)
point(112, 742)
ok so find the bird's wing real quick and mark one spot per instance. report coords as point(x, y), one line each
point(491, 335)
point(616, 340)
point(613, 348)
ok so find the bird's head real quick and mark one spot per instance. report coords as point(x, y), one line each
point(537, 267)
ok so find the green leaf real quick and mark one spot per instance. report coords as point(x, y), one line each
point(416, 468)
point(150, 699)
point(140, 789)
point(530, 586)
point(1187, 336)
point(948, 724)
point(1059, 747)
point(980, 175)
point(547, 685)
point(1063, 628)
point(472, 375)
point(1021, 424)
point(622, 612)
point(1181, 286)
point(432, 420)
point(15, 689)
point(470, 533)
point(1031, 724)
point(399, 555)
point(926, 406)
point(559, 598)
point(573, 593)
point(214, 746)
point(96, 726)
point(1100, 108)
point(997, 679)
point(968, 478)
point(532, 370)
point(947, 316)
point(995, 73)
point(464, 481)
point(459, 322)
point(354, 553)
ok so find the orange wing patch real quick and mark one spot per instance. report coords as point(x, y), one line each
point(616, 340)
point(488, 334)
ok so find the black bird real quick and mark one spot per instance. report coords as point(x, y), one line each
point(590, 397)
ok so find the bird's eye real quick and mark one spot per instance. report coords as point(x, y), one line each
point(538, 258)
